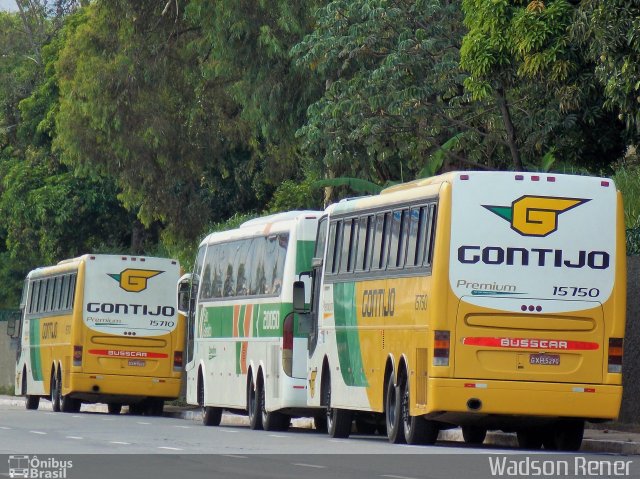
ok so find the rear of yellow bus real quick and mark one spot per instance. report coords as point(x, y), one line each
point(530, 339)
point(128, 340)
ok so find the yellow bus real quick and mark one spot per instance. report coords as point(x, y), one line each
point(101, 329)
point(486, 300)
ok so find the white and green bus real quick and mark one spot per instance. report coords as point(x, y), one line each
point(245, 351)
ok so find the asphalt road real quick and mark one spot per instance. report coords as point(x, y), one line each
point(123, 446)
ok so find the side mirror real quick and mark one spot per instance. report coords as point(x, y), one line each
point(184, 293)
point(304, 324)
point(298, 297)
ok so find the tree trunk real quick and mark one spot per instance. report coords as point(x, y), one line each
point(501, 99)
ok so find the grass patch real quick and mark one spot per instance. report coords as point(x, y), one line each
point(7, 390)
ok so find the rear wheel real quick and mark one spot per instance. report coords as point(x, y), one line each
point(274, 420)
point(253, 405)
point(68, 404)
point(155, 407)
point(416, 429)
point(55, 392)
point(338, 420)
point(474, 434)
point(393, 412)
point(137, 409)
point(320, 422)
point(114, 408)
point(529, 439)
point(211, 416)
point(566, 436)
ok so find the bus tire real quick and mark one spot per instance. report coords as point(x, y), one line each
point(416, 429)
point(137, 409)
point(68, 404)
point(253, 405)
point(338, 420)
point(474, 434)
point(30, 402)
point(566, 436)
point(529, 439)
point(393, 413)
point(154, 407)
point(211, 416)
point(320, 422)
point(55, 392)
point(114, 408)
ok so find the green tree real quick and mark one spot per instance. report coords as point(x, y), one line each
point(134, 106)
point(393, 85)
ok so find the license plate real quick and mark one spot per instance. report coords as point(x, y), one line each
point(136, 362)
point(545, 359)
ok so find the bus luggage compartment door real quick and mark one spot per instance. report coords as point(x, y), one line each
point(529, 340)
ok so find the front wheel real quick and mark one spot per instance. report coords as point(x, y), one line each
point(32, 402)
point(338, 420)
point(566, 436)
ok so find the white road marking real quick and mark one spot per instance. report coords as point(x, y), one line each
point(38, 432)
point(143, 423)
point(302, 464)
point(184, 427)
point(275, 435)
point(235, 456)
point(5, 428)
point(120, 442)
point(74, 437)
point(391, 476)
point(78, 416)
point(170, 448)
point(227, 430)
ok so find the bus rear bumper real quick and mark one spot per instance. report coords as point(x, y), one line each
point(97, 387)
point(467, 397)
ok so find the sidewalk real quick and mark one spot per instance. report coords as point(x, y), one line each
point(596, 438)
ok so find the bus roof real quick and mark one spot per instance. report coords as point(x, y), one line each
point(262, 225)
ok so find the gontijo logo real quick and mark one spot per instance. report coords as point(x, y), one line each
point(135, 280)
point(535, 215)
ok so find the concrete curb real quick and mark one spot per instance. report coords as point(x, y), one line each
point(589, 444)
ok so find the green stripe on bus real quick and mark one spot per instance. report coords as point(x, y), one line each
point(349, 353)
point(34, 349)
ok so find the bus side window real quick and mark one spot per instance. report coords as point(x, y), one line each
point(381, 241)
point(42, 301)
point(72, 290)
point(333, 250)
point(57, 293)
point(363, 254)
point(397, 246)
point(349, 236)
point(35, 292)
point(431, 234)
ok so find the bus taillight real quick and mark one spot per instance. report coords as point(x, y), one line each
point(177, 360)
point(615, 355)
point(287, 345)
point(441, 346)
point(77, 355)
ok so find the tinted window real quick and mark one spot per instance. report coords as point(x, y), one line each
point(365, 234)
point(381, 241)
point(348, 245)
point(397, 243)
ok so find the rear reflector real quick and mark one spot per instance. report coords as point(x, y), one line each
point(441, 346)
point(77, 355)
point(519, 177)
point(464, 177)
point(287, 345)
point(177, 360)
point(551, 179)
point(615, 355)
point(604, 183)
point(535, 178)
